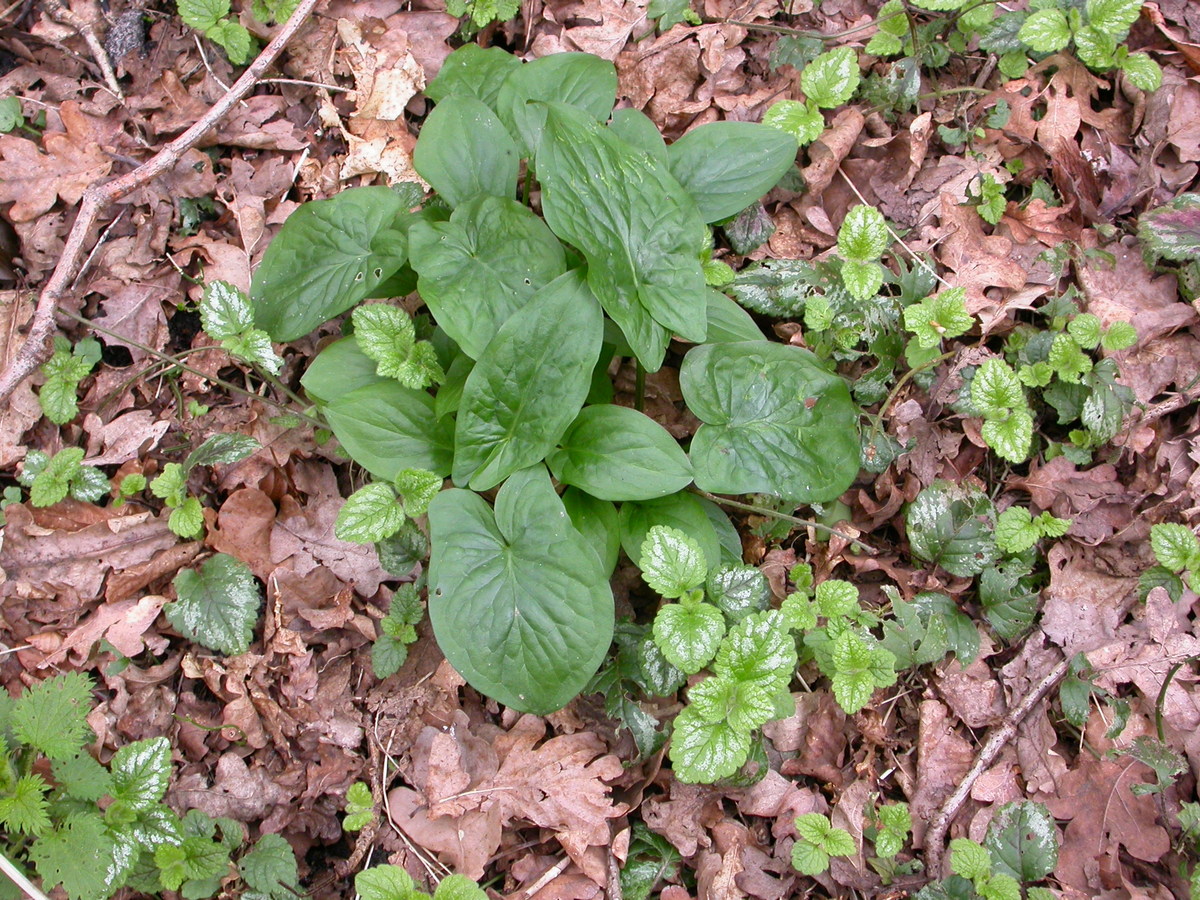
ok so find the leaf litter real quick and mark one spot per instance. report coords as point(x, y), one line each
point(275, 737)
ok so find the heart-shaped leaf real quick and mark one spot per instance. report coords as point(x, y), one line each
point(386, 427)
point(519, 601)
point(776, 422)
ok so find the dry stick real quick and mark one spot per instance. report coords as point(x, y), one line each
point(98, 197)
point(935, 837)
point(27, 887)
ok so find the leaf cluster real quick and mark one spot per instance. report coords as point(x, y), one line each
point(63, 371)
point(170, 485)
point(226, 315)
point(52, 478)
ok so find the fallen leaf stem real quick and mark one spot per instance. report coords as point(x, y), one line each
point(783, 517)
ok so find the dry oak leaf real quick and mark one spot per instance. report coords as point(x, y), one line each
point(72, 161)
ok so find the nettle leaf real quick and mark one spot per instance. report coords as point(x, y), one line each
point(386, 427)
point(25, 809)
point(1172, 231)
point(82, 777)
point(369, 515)
point(860, 668)
point(996, 390)
point(225, 311)
point(270, 867)
point(738, 590)
point(862, 279)
point(51, 716)
point(1045, 31)
point(582, 81)
point(1015, 531)
point(703, 752)
point(1142, 71)
point(480, 267)
point(329, 255)
point(952, 525)
point(464, 150)
point(417, 488)
point(1010, 436)
point(1095, 48)
point(528, 385)
point(863, 235)
point(338, 369)
point(187, 519)
point(519, 601)
point(234, 38)
point(672, 563)
point(387, 335)
point(803, 121)
point(726, 166)
point(969, 859)
point(222, 449)
point(1023, 841)
point(1008, 599)
point(776, 422)
point(759, 649)
point(688, 635)
point(1113, 16)
point(832, 78)
point(941, 316)
point(637, 227)
point(217, 605)
point(743, 704)
point(1175, 546)
point(78, 854)
point(617, 453)
point(202, 14)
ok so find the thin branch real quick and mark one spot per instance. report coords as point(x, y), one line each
point(98, 197)
point(935, 837)
point(20, 880)
point(783, 517)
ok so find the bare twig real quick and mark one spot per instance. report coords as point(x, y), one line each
point(26, 886)
point(935, 837)
point(61, 13)
point(98, 197)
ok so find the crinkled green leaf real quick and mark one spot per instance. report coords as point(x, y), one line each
point(387, 335)
point(703, 752)
point(217, 606)
point(51, 716)
point(760, 649)
point(369, 515)
point(481, 266)
point(1045, 31)
point(862, 279)
point(270, 867)
point(726, 166)
point(637, 227)
point(738, 590)
point(1009, 601)
point(519, 601)
point(82, 777)
point(970, 859)
point(234, 38)
point(688, 636)
point(996, 389)
point(1142, 71)
point(195, 859)
point(1175, 546)
point(329, 255)
point(187, 519)
point(832, 78)
point(776, 421)
point(1119, 336)
point(835, 597)
point(25, 810)
point(78, 854)
point(528, 385)
point(202, 14)
point(952, 525)
point(803, 121)
point(1010, 436)
point(140, 773)
point(417, 488)
point(776, 287)
point(464, 150)
point(54, 476)
point(941, 316)
point(1067, 359)
point(1022, 841)
point(1113, 16)
point(1095, 48)
point(672, 563)
point(863, 236)
point(617, 453)
point(89, 485)
point(225, 311)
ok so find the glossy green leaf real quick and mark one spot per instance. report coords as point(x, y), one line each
point(472, 71)
point(1113, 16)
point(338, 369)
point(683, 511)
point(464, 150)
point(635, 128)
point(638, 229)
point(519, 601)
point(952, 525)
point(528, 385)
point(597, 520)
point(386, 427)
point(617, 453)
point(726, 166)
point(728, 323)
point(776, 422)
point(329, 255)
point(580, 80)
point(483, 265)
point(217, 606)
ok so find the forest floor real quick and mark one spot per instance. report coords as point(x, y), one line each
point(549, 807)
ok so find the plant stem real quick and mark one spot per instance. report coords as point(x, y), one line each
point(220, 382)
point(905, 379)
point(784, 517)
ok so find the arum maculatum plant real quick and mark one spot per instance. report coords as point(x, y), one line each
point(502, 383)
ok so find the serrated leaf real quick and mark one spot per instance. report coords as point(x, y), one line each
point(862, 279)
point(329, 255)
point(1119, 336)
point(743, 704)
point(477, 269)
point(51, 716)
point(1068, 360)
point(57, 399)
point(1142, 71)
point(1113, 16)
point(617, 453)
point(1009, 601)
point(82, 777)
point(778, 287)
point(1015, 531)
point(385, 882)
point(1010, 437)
point(802, 121)
point(996, 390)
point(759, 649)
point(1175, 546)
point(689, 636)
point(738, 591)
point(233, 38)
point(1095, 48)
point(222, 449)
point(387, 335)
point(89, 484)
point(672, 563)
point(25, 810)
point(1022, 841)
point(202, 14)
point(634, 223)
point(863, 235)
point(519, 601)
point(1045, 31)
point(369, 515)
point(270, 867)
point(952, 525)
point(835, 598)
point(703, 752)
point(832, 78)
point(194, 859)
point(79, 855)
point(217, 605)
point(969, 859)
point(808, 858)
point(1085, 328)
point(170, 485)
point(187, 519)
point(941, 316)
point(757, 437)
point(140, 773)
point(53, 479)
point(458, 887)
point(858, 671)
point(225, 311)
